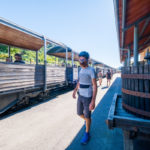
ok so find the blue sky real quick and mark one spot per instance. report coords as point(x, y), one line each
point(81, 24)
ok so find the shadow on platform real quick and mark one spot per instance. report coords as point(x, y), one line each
point(101, 137)
point(104, 87)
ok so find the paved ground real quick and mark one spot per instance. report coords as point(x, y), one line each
point(54, 125)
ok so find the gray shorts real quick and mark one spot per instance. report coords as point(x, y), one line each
point(83, 106)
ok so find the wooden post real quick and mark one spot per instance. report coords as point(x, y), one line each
point(128, 143)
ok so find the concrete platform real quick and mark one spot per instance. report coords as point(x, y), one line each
point(54, 125)
point(101, 137)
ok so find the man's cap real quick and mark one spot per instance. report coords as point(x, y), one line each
point(84, 54)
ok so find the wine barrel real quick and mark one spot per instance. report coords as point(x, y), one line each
point(136, 90)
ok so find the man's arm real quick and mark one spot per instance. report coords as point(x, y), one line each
point(75, 90)
point(92, 104)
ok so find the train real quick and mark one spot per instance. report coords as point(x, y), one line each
point(21, 82)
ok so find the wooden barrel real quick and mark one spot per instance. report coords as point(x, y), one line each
point(136, 90)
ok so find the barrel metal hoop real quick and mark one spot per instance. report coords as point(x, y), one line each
point(135, 93)
point(135, 110)
point(136, 76)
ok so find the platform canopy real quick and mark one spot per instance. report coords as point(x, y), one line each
point(130, 13)
point(60, 51)
point(17, 36)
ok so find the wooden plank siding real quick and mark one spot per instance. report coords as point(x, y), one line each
point(22, 76)
point(55, 74)
point(69, 74)
point(75, 74)
point(18, 76)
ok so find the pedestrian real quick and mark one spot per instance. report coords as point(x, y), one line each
point(18, 59)
point(87, 90)
point(100, 77)
point(108, 76)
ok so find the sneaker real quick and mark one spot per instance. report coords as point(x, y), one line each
point(85, 138)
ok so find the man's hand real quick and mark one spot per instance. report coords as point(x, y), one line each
point(74, 94)
point(75, 91)
point(92, 105)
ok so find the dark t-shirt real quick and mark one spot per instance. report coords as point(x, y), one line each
point(19, 61)
point(108, 75)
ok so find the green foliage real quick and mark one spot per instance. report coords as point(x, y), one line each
point(29, 56)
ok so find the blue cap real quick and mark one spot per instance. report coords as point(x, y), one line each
point(84, 54)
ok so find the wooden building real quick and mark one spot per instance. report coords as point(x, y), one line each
point(131, 110)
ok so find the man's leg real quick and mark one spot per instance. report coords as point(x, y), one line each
point(109, 82)
point(99, 82)
point(80, 107)
point(88, 124)
point(82, 116)
point(87, 117)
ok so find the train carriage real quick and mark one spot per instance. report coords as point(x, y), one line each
point(20, 82)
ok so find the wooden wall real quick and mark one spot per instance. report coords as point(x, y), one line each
point(18, 76)
point(55, 74)
point(75, 74)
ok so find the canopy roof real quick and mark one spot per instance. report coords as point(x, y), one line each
point(59, 51)
point(14, 35)
point(128, 14)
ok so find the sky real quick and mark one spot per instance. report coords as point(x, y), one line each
point(83, 25)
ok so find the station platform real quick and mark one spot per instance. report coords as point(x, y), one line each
point(54, 125)
point(101, 137)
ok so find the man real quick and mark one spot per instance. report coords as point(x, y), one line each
point(87, 90)
point(100, 77)
point(18, 59)
point(8, 60)
point(108, 76)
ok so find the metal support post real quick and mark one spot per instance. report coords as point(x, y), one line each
point(66, 66)
point(55, 61)
point(72, 59)
point(125, 62)
point(9, 51)
point(45, 65)
point(129, 54)
point(66, 56)
point(135, 45)
point(72, 65)
point(36, 57)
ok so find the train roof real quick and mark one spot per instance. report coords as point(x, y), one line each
point(60, 51)
point(15, 35)
point(129, 13)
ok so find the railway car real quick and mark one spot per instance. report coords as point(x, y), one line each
point(21, 82)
